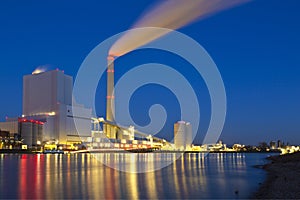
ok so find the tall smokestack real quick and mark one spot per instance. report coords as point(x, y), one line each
point(110, 98)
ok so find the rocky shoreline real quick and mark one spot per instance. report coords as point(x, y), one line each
point(283, 178)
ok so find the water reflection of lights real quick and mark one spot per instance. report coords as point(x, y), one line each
point(238, 160)
point(150, 178)
point(241, 160)
point(120, 161)
point(1, 169)
point(22, 176)
point(39, 170)
point(47, 171)
point(68, 178)
point(201, 167)
point(220, 162)
point(133, 177)
point(71, 176)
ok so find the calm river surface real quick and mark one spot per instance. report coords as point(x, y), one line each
point(82, 176)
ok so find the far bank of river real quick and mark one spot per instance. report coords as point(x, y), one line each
point(28, 151)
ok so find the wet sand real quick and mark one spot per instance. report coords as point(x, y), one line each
point(283, 178)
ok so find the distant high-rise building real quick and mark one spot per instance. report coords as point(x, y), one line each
point(279, 144)
point(183, 135)
point(273, 145)
point(47, 96)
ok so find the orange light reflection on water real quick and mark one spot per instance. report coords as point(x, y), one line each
point(82, 175)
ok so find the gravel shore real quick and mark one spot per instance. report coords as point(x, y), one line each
point(283, 179)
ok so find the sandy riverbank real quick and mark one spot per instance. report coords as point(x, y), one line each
point(283, 179)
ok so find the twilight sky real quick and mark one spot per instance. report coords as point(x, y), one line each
point(255, 46)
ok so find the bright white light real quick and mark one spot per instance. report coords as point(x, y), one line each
point(40, 69)
point(101, 119)
point(51, 113)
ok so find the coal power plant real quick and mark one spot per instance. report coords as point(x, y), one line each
point(47, 121)
point(47, 107)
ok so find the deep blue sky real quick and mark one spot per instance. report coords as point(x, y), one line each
point(255, 46)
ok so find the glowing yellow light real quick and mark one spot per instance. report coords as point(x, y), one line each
point(51, 113)
point(101, 119)
point(39, 70)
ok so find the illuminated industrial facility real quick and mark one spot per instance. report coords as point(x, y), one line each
point(30, 131)
point(48, 117)
point(183, 135)
point(47, 111)
point(47, 97)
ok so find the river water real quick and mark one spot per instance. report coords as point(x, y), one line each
point(82, 176)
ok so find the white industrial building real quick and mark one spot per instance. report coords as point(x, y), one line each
point(31, 131)
point(47, 97)
point(183, 135)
